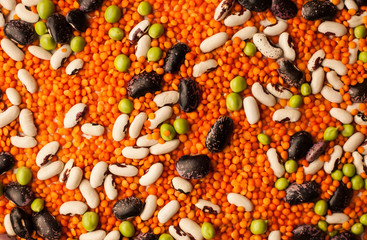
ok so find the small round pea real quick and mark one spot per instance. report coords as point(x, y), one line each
point(37, 205)
point(360, 31)
point(357, 182)
point(144, 8)
point(127, 229)
point(281, 184)
point(208, 231)
point(337, 175)
point(263, 139)
point(363, 219)
point(112, 14)
point(348, 130)
point(330, 134)
point(156, 30)
point(181, 125)
point(365, 184)
point(40, 28)
point(306, 89)
point(122, 63)
point(238, 84)
point(250, 49)
point(154, 54)
point(357, 229)
point(47, 42)
point(291, 166)
point(258, 226)
point(45, 8)
point(126, 106)
point(362, 57)
point(322, 225)
point(167, 132)
point(90, 221)
point(333, 233)
point(77, 44)
point(234, 102)
point(165, 236)
point(116, 33)
point(349, 170)
point(24, 175)
point(321, 207)
point(295, 101)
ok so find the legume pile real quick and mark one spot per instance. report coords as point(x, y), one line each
point(183, 120)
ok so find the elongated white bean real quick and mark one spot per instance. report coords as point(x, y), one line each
point(95, 235)
point(313, 167)
point(110, 187)
point(138, 31)
point(182, 185)
point(50, 170)
point(142, 47)
point(2, 20)
point(251, 110)
point(213, 42)
point(137, 125)
point(350, 108)
point(98, 174)
point(114, 235)
point(279, 91)
point(40, 52)
point(8, 226)
point(240, 201)
point(356, 20)
point(12, 50)
point(316, 60)
point(143, 141)
point(223, 9)
point(161, 115)
point(25, 14)
point(265, 47)
point(74, 179)
point(364, 145)
point(27, 123)
point(164, 148)
point(245, 33)
point(360, 119)
point(334, 80)
point(334, 158)
point(149, 207)
point(204, 67)
point(168, 211)
point(92, 129)
point(353, 142)
point(66, 171)
point(123, 170)
point(9, 115)
point(166, 98)
point(120, 127)
point(342, 115)
point(191, 228)
point(30, 3)
point(331, 95)
point(262, 96)
point(135, 152)
point(72, 208)
point(59, 57)
point(74, 66)
point(358, 163)
point(207, 206)
point(8, 4)
point(336, 65)
point(353, 52)
point(13, 96)
point(317, 80)
point(177, 233)
point(28, 80)
point(152, 175)
point(285, 43)
point(74, 115)
point(337, 218)
point(23, 142)
point(274, 235)
point(286, 115)
point(275, 165)
point(237, 18)
point(332, 28)
point(90, 194)
point(46, 153)
point(350, 4)
point(276, 29)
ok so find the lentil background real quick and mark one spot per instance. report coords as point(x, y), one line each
point(241, 168)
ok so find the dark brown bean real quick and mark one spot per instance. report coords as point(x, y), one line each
point(315, 10)
point(219, 134)
point(175, 57)
point(299, 144)
point(358, 92)
point(284, 9)
point(345, 236)
point(7, 162)
point(20, 32)
point(290, 73)
point(307, 232)
point(316, 151)
point(341, 198)
point(20, 195)
point(193, 167)
point(302, 193)
point(21, 223)
point(88, 6)
point(143, 83)
point(59, 29)
point(46, 225)
point(78, 20)
point(255, 5)
point(147, 236)
point(128, 207)
point(189, 98)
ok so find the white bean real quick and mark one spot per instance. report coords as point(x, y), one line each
point(240, 201)
point(138, 31)
point(332, 28)
point(356, 20)
point(110, 187)
point(72, 208)
point(177, 233)
point(137, 125)
point(313, 167)
point(120, 127)
point(279, 91)
point(213, 42)
point(262, 96)
point(357, 161)
point(337, 218)
point(40, 52)
point(27, 123)
point(46, 153)
point(336, 65)
point(50, 170)
point(340, 5)
point(164, 148)
point(8, 4)
point(23, 142)
point(143, 141)
point(360, 119)
point(223, 9)
point(92, 129)
point(113, 235)
point(286, 115)
point(251, 110)
point(149, 207)
point(74, 115)
point(334, 157)
point(353, 142)
point(350, 108)
point(274, 235)
point(364, 145)
point(66, 171)
point(74, 179)
point(95, 235)
point(207, 206)
point(316, 60)
point(98, 174)
point(12, 50)
point(30, 3)
point(204, 67)
point(9, 115)
point(8, 226)
point(74, 66)
point(142, 47)
point(123, 170)
point(25, 14)
point(28, 80)
point(265, 47)
point(276, 29)
point(2, 20)
point(237, 18)
point(331, 95)
point(168, 211)
point(334, 80)
point(317, 80)
point(245, 33)
point(13, 96)
point(350, 4)
point(275, 165)
point(182, 185)
point(285, 43)
point(90, 194)
point(152, 174)
point(166, 98)
point(60, 56)
point(190, 227)
point(341, 115)
point(353, 52)
point(135, 152)
point(161, 115)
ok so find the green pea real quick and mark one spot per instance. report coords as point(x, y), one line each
point(295, 101)
point(363, 219)
point(1, 189)
point(322, 225)
point(40, 28)
point(258, 226)
point(45, 8)
point(156, 30)
point(357, 182)
point(154, 54)
point(122, 63)
point(337, 175)
point(349, 170)
point(77, 44)
point(263, 139)
point(234, 102)
point(165, 236)
point(208, 230)
point(348, 130)
point(116, 33)
point(357, 229)
point(321, 207)
point(306, 89)
point(281, 184)
point(127, 229)
point(90, 221)
point(365, 184)
point(330, 134)
point(250, 49)
point(181, 125)
point(126, 106)
point(112, 14)
point(167, 132)
point(37, 205)
point(360, 31)
point(291, 166)
point(144, 8)
point(333, 233)
point(24, 175)
point(363, 57)
point(47, 42)
point(238, 84)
